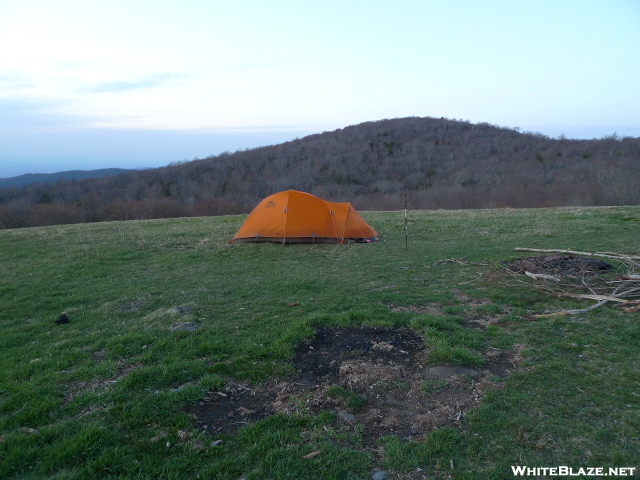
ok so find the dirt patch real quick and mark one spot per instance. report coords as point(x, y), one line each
point(233, 407)
point(320, 360)
point(476, 316)
point(468, 300)
point(76, 388)
point(437, 308)
point(374, 379)
point(558, 265)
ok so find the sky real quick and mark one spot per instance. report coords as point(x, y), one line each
point(88, 84)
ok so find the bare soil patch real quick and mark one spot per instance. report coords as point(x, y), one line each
point(374, 379)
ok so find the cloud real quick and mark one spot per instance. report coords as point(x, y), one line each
point(149, 81)
point(14, 84)
point(111, 63)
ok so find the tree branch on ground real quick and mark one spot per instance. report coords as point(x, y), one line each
point(625, 289)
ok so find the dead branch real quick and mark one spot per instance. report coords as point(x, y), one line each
point(630, 277)
point(620, 256)
point(604, 298)
point(538, 276)
point(459, 261)
point(572, 312)
point(627, 291)
point(544, 286)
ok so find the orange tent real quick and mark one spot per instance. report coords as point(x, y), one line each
point(294, 216)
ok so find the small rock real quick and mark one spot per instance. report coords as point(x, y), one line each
point(347, 417)
point(379, 475)
point(215, 443)
point(293, 304)
point(62, 319)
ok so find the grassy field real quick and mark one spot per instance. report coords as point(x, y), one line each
point(106, 395)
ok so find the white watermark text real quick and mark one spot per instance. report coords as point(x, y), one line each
point(563, 471)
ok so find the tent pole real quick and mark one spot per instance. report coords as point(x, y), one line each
point(406, 225)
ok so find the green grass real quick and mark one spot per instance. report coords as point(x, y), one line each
point(353, 400)
point(429, 386)
point(105, 395)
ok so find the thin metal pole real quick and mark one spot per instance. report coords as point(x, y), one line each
point(406, 225)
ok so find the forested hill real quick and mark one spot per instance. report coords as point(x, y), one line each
point(66, 176)
point(439, 163)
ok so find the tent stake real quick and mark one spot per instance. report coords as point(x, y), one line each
point(406, 225)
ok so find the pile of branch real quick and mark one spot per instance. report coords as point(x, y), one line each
point(625, 289)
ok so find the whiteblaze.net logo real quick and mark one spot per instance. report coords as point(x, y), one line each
point(563, 471)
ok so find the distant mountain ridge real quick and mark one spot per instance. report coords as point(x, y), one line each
point(65, 176)
point(439, 163)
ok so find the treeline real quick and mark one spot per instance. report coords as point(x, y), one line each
point(440, 163)
point(68, 175)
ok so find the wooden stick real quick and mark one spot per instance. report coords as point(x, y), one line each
point(630, 277)
point(587, 254)
point(573, 312)
point(406, 225)
point(628, 293)
point(604, 298)
point(538, 276)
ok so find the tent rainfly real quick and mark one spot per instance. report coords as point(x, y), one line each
point(293, 216)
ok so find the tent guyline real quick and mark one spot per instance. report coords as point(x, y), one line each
point(294, 217)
